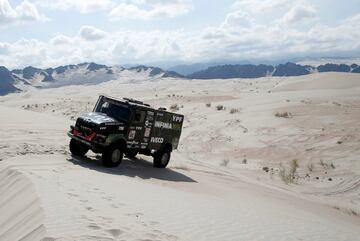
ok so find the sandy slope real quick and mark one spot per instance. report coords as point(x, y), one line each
point(208, 192)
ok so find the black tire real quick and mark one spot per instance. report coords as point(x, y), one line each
point(162, 158)
point(77, 148)
point(112, 156)
point(131, 154)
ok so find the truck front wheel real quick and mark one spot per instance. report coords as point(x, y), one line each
point(162, 158)
point(77, 148)
point(112, 156)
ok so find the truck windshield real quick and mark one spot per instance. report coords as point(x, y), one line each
point(119, 112)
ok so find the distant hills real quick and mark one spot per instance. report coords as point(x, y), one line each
point(256, 71)
point(91, 73)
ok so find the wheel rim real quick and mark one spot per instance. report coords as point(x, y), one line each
point(164, 158)
point(115, 156)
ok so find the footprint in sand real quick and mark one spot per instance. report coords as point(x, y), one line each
point(114, 206)
point(94, 226)
point(90, 209)
point(72, 195)
point(115, 232)
point(48, 239)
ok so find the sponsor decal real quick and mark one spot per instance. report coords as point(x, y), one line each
point(132, 134)
point(177, 118)
point(138, 128)
point(85, 128)
point(165, 125)
point(111, 124)
point(147, 132)
point(157, 140)
point(121, 128)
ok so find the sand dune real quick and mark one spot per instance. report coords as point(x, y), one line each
point(224, 182)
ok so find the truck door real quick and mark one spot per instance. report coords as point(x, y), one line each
point(140, 129)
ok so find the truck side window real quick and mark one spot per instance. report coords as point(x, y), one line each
point(139, 116)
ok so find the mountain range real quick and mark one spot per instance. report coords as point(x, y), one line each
point(18, 80)
point(85, 73)
point(256, 71)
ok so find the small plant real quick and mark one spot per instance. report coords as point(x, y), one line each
point(208, 104)
point(339, 142)
point(322, 163)
point(294, 165)
point(266, 169)
point(220, 107)
point(224, 162)
point(244, 161)
point(310, 167)
point(174, 107)
point(283, 114)
point(234, 110)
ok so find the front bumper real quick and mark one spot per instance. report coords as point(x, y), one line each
point(95, 147)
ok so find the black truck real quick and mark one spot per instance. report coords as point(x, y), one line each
point(126, 127)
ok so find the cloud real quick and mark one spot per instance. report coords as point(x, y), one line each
point(259, 6)
point(91, 33)
point(25, 12)
point(149, 9)
point(300, 14)
point(238, 19)
point(118, 47)
point(82, 6)
point(238, 37)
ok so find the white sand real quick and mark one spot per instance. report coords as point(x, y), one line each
point(206, 193)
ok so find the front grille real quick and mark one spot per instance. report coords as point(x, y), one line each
point(85, 127)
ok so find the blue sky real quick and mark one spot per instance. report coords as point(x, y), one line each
point(52, 32)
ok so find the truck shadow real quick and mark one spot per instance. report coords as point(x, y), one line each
point(137, 167)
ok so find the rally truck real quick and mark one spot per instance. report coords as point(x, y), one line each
point(119, 127)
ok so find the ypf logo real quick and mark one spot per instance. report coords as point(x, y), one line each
point(177, 118)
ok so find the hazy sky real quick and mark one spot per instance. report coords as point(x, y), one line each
point(46, 33)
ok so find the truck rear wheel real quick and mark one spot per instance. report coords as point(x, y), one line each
point(77, 148)
point(112, 156)
point(162, 158)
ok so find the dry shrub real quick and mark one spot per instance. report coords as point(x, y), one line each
point(283, 114)
point(224, 162)
point(234, 110)
point(208, 104)
point(327, 165)
point(220, 107)
point(289, 175)
point(174, 107)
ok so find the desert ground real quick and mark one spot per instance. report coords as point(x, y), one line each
point(259, 159)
